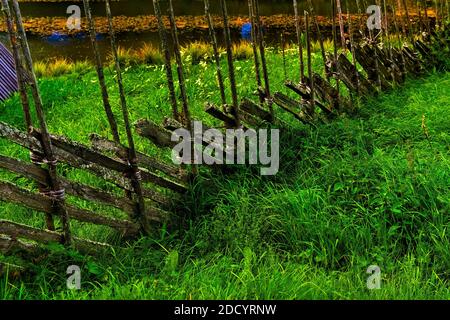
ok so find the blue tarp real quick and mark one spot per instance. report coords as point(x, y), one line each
point(246, 31)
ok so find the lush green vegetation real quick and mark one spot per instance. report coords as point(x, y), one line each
point(368, 188)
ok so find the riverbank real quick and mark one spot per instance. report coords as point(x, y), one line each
point(46, 26)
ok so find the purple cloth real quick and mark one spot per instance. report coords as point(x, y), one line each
point(8, 76)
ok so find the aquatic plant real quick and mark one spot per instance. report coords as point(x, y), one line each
point(197, 51)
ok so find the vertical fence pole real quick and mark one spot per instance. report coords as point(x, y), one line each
point(57, 192)
point(341, 24)
point(321, 40)
point(427, 19)
point(299, 42)
point(167, 60)
point(180, 71)
point(283, 52)
point(262, 53)
point(377, 67)
point(100, 73)
point(251, 13)
point(335, 50)
point(215, 46)
point(311, 102)
point(399, 39)
point(20, 70)
point(389, 44)
point(132, 157)
point(231, 73)
point(419, 11)
point(408, 20)
point(352, 50)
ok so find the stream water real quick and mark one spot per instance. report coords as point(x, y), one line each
point(79, 49)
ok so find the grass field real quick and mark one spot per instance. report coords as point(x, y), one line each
point(371, 188)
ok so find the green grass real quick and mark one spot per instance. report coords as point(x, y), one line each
point(366, 189)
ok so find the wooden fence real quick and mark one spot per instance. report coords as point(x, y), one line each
point(141, 177)
point(146, 190)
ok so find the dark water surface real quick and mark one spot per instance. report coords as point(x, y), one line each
point(181, 7)
point(80, 49)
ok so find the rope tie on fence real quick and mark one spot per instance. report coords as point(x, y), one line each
point(57, 195)
point(40, 159)
point(36, 158)
point(133, 173)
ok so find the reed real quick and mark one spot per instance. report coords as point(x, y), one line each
point(242, 50)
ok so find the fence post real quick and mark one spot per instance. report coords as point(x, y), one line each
point(167, 60)
point(57, 192)
point(231, 73)
point(100, 73)
point(213, 39)
point(132, 156)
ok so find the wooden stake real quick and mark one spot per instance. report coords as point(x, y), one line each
point(299, 42)
point(427, 20)
point(20, 70)
point(352, 49)
point(180, 71)
point(167, 60)
point(262, 53)
point(132, 157)
point(321, 40)
point(389, 44)
point(335, 51)
point(311, 103)
point(213, 40)
point(283, 51)
point(231, 72)
point(100, 73)
point(251, 13)
point(399, 38)
point(57, 193)
point(408, 20)
point(341, 24)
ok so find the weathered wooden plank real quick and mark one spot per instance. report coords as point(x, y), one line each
point(13, 270)
point(245, 117)
point(216, 113)
point(145, 161)
point(301, 89)
point(26, 170)
point(11, 193)
point(86, 153)
point(374, 67)
point(413, 63)
point(249, 106)
point(31, 143)
point(9, 245)
point(155, 133)
point(16, 230)
point(328, 94)
point(348, 73)
point(290, 105)
point(79, 190)
point(150, 177)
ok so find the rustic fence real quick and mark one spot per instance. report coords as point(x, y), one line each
point(151, 189)
point(141, 177)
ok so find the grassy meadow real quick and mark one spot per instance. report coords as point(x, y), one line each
point(370, 188)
